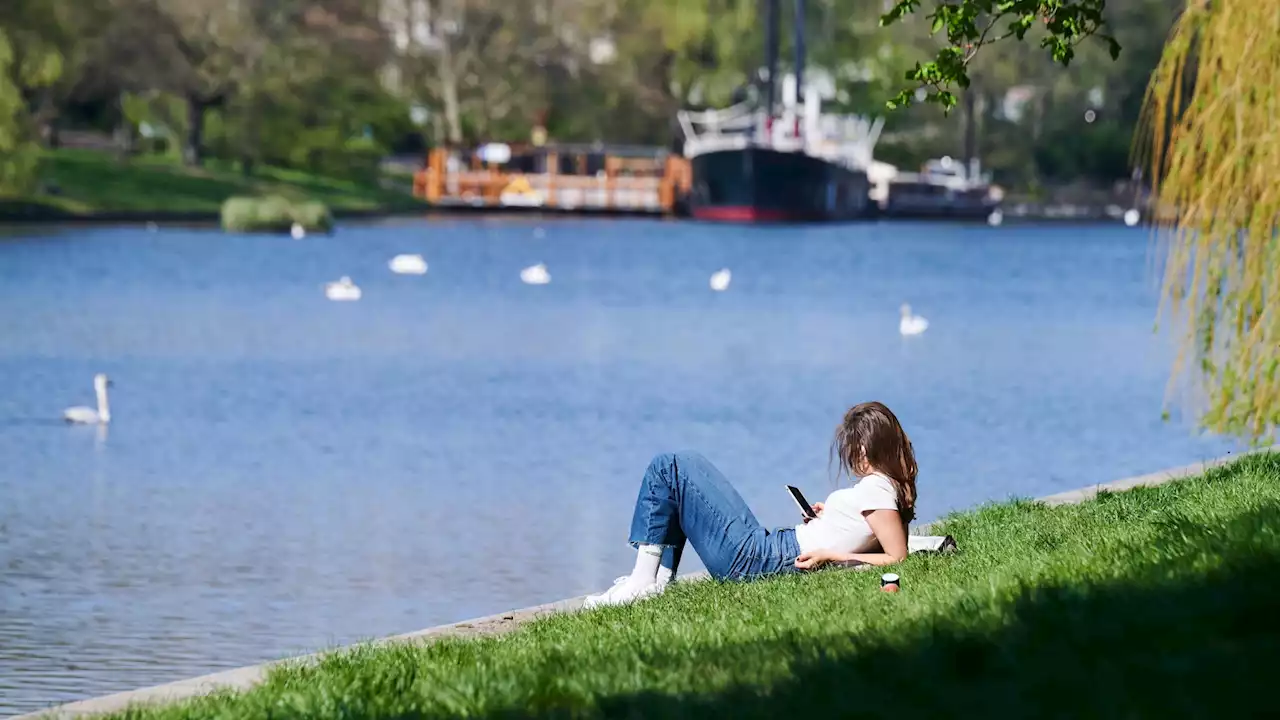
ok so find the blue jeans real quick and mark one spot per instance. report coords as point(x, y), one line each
point(684, 497)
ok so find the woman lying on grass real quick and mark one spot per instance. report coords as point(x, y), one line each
point(684, 497)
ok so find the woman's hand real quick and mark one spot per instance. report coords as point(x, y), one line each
point(814, 559)
point(817, 511)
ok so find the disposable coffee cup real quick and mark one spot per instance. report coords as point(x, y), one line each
point(890, 579)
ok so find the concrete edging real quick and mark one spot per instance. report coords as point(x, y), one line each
point(246, 677)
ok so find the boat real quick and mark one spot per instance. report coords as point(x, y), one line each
point(555, 177)
point(758, 162)
point(943, 188)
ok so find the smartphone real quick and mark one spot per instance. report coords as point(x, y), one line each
point(798, 496)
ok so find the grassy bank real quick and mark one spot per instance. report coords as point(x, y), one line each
point(89, 182)
point(1154, 603)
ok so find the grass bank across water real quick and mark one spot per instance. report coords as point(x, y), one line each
point(1153, 602)
point(92, 183)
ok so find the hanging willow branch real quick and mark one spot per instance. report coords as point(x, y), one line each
point(1212, 141)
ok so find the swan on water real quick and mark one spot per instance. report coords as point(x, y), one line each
point(297, 231)
point(911, 324)
point(535, 275)
point(343, 289)
point(408, 265)
point(720, 280)
point(1132, 216)
point(995, 218)
point(88, 415)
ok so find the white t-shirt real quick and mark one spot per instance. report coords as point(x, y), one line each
point(842, 527)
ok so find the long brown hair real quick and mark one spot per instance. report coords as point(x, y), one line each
point(870, 439)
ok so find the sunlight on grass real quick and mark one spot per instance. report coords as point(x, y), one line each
point(1153, 601)
point(88, 182)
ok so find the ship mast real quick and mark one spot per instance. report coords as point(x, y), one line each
point(771, 64)
point(800, 53)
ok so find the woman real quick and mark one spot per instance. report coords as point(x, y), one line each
point(684, 497)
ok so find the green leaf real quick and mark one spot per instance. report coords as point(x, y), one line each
point(1066, 22)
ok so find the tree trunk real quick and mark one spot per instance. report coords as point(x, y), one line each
point(193, 148)
point(123, 132)
point(449, 94)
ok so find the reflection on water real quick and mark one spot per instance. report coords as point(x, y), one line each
point(284, 473)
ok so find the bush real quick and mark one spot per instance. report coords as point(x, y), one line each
point(274, 214)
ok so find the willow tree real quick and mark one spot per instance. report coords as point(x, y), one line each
point(1213, 147)
point(1211, 142)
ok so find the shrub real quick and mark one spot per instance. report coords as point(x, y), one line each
point(274, 214)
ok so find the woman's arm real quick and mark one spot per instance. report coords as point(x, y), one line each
point(886, 524)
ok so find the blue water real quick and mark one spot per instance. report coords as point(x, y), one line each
point(286, 473)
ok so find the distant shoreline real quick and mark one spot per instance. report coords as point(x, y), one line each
point(21, 213)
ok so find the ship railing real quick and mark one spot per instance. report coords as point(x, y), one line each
point(849, 140)
point(736, 119)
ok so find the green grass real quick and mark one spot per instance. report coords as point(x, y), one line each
point(1157, 602)
point(94, 182)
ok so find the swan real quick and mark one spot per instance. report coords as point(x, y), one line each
point(535, 275)
point(1132, 217)
point(995, 218)
point(87, 415)
point(343, 289)
point(297, 231)
point(408, 265)
point(911, 324)
point(720, 280)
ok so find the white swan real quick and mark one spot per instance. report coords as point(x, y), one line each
point(408, 265)
point(911, 324)
point(1132, 217)
point(535, 275)
point(720, 280)
point(87, 415)
point(343, 289)
point(297, 231)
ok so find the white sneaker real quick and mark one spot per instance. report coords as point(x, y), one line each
point(622, 593)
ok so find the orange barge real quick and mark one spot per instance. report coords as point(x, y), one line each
point(564, 178)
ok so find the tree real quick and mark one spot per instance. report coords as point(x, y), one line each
point(1211, 141)
point(972, 25)
point(1213, 144)
point(29, 58)
point(308, 88)
point(210, 43)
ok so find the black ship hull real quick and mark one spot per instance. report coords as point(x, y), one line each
point(764, 185)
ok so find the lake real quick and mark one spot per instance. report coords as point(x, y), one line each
point(284, 473)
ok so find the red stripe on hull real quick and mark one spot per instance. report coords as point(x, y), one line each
point(745, 213)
